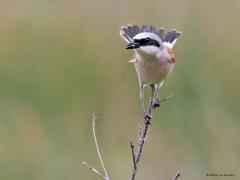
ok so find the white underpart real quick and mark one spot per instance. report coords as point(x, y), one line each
point(153, 70)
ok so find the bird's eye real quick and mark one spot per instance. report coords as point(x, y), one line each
point(147, 39)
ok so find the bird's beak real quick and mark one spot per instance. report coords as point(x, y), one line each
point(133, 45)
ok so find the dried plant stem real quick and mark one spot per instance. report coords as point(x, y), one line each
point(144, 134)
point(99, 155)
point(106, 176)
point(166, 98)
point(142, 138)
point(177, 176)
point(133, 154)
point(93, 169)
point(139, 133)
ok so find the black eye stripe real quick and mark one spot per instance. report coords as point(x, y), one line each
point(137, 41)
point(154, 42)
point(147, 42)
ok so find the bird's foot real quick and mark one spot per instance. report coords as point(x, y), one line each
point(147, 118)
point(156, 103)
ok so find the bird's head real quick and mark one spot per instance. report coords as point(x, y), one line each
point(146, 43)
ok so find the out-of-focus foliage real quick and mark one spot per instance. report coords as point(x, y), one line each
point(61, 60)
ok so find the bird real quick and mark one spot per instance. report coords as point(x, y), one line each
point(153, 57)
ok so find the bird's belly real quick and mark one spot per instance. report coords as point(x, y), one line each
point(153, 72)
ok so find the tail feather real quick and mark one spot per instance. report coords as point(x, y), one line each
point(168, 37)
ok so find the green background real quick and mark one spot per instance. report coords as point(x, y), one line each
point(62, 60)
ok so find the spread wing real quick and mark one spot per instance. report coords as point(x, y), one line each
point(169, 38)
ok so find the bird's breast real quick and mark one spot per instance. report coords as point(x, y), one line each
point(153, 70)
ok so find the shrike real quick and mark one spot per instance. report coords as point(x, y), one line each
point(153, 56)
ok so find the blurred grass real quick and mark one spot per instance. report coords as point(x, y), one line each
point(61, 60)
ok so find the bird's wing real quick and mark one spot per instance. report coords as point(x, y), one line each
point(169, 38)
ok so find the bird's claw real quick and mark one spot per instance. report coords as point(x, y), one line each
point(156, 103)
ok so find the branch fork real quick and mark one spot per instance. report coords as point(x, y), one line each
point(142, 133)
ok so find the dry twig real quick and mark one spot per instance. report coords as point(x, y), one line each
point(133, 155)
point(177, 176)
point(144, 134)
point(93, 169)
point(142, 138)
point(105, 176)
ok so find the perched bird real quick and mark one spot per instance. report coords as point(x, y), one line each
point(153, 58)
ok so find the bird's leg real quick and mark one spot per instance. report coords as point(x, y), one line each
point(157, 96)
point(145, 115)
point(142, 96)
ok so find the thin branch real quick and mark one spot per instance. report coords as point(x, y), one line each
point(176, 176)
point(106, 176)
point(142, 139)
point(139, 133)
point(166, 98)
point(144, 134)
point(93, 169)
point(133, 155)
point(96, 143)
